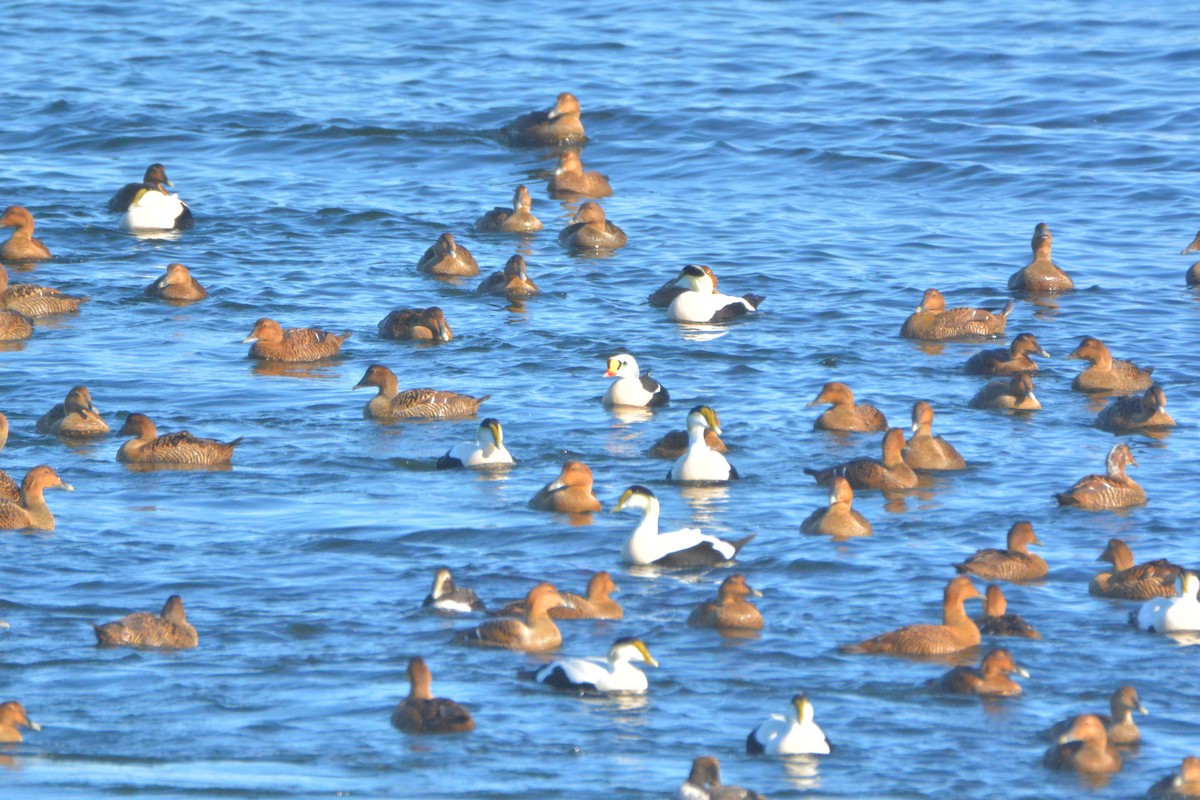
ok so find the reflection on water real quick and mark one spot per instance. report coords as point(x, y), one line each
point(320, 370)
point(701, 332)
point(803, 771)
point(704, 499)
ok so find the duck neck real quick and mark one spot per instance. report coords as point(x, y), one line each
point(953, 612)
point(35, 505)
point(696, 440)
point(648, 527)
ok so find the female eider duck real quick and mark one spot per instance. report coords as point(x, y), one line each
point(616, 674)
point(9, 488)
point(702, 303)
point(1193, 274)
point(390, 404)
point(486, 451)
point(570, 493)
point(682, 548)
point(176, 286)
point(838, 520)
point(21, 246)
point(1007, 360)
point(1182, 784)
point(421, 712)
point(1172, 614)
point(559, 125)
point(700, 462)
point(1015, 563)
point(1130, 580)
point(571, 180)
point(867, 473)
point(1041, 274)
point(957, 631)
point(989, 678)
point(30, 512)
point(1114, 489)
point(1120, 727)
point(445, 596)
point(845, 414)
point(180, 449)
point(595, 605)
point(631, 388)
point(447, 257)
point(1129, 414)
point(13, 716)
point(536, 633)
point(35, 301)
point(1105, 373)
point(270, 342)
point(148, 206)
point(589, 229)
point(1015, 393)
point(996, 621)
point(932, 321)
point(518, 219)
point(75, 417)
point(1084, 748)
point(791, 733)
point(663, 295)
point(512, 282)
point(416, 324)
point(730, 609)
point(704, 783)
point(169, 630)
point(14, 326)
point(925, 451)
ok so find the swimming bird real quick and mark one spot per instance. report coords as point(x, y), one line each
point(595, 605)
point(486, 451)
point(631, 387)
point(21, 246)
point(845, 414)
point(76, 417)
point(518, 219)
point(1172, 614)
point(1185, 783)
point(788, 734)
point(272, 343)
point(925, 451)
point(867, 473)
point(9, 488)
point(416, 324)
point(663, 295)
point(1041, 274)
point(989, 678)
point(686, 547)
point(1114, 489)
point(147, 205)
point(996, 621)
point(570, 493)
point(701, 302)
point(932, 321)
point(559, 125)
point(838, 520)
point(514, 281)
point(571, 179)
point(1105, 373)
point(1131, 581)
point(447, 257)
point(1007, 360)
point(14, 326)
point(1015, 563)
point(704, 783)
point(616, 674)
point(35, 301)
point(177, 286)
point(1120, 727)
point(730, 609)
point(536, 633)
point(1129, 414)
point(674, 444)
point(700, 462)
point(181, 448)
point(589, 229)
point(31, 511)
point(421, 712)
point(1193, 274)
point(390, 404)
point(1084, 748)
point(1015, 393)
point(446, 596)
point(169, 630)
point(957, 631)
point(13, 716)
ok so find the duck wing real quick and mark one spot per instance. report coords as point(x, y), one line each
point(124, 197)
point(694, 549)
point(916, 640)
point(434, 404)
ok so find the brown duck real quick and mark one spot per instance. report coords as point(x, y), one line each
point(536, 633)
point(176, 285)
point(996, 621)
point(12, 717)
point(571, 493)
point(273, 343)
point(838, 520)
point(75, 417)
point(957, 631)
point(991, 677)
point(1007, 360)
point(925, 451)
point(512, 282)
point(21, 246)
point(933, 321)
point(1131, 581)
point(518, 219)
point(390, 404)
point(1084, 748)
point(35, 301)
point(1014, 393)
point(867, 473)
point(561, 124)
point(181, 448)
point(1120, 727)
point(590, 230)
point(9, 488)
point(1105, 373)
point(1015, 563)
point(704, 783)
point(416, 324)
point(571, 179)
point(1193, 274)
point(30, 512)
point(1128, 414)
point(421, 712)
point(1041, 274)
point(14, 326)
point(730, 609)
point(845, 415)
point(169, 630)
point(447, 257)
point(1114, 489)
point(595, 605)
point(1185, 783)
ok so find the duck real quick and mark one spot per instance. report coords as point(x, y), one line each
point(558, 125)
point(35, 301)
point(700, 462)
point(1120, 727)
point(514, 281)
point(1041, 274)
point(1114, 489)
point(9, 488)
point(867, 473)
point(571, 179)
point(446, 596)
point(616, 674)
point(925, 451)
point(518, 219)
point(181, 448)
point(147, 205)
point(421, 712)
point(1015, 563)
point(701, 302)
point(177, 286)
point(686, 547)
point(596, 604)
point(486, 451)
point(1131, 581)
point(272, 343)
point(21, 246)
point(75, 417)
point(1105, 373)
point(14, 326)
point(996, 621)
point(390, 404)
point(416, 324)
point(663, 295)
point(1007, 360)
point(168, 630)
point(730, 609)
point(957, 631)
point(990, 678)
point(536, 633)
point(12, 717)
point(1015, 393)
point(589, 229)
point(1128, 414)
point(675, 444)
point(1084, 748)
point(845, 415)
point(30, 512)
point(838, 520)
point(1185, 783)
point(1172, 614)
point(631, 388)
point(932, 321)
point(791, 733)
point(570, 493)
point(1193, 274)
point(447, 257)
point(704, 783)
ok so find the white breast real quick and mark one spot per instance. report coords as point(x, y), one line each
point(153, 210)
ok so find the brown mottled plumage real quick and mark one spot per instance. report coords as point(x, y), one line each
point(596, 605)
point(957, 631)
point(571, 493)
point(845, 415)
point(1105, 373)
point(14, 326)
point(31, 511)
point(35, 301)
point(177, 286)
point(1041, 274)
point(1132, 581)
point(989, 678)
point(13, 716)
point(838, 520)
point(421, 712)
point(1015, 563)
point(1126, 414)
point(273, 343)
point(933, 321)
point(1007, 360)
point(417, 324)
point(447, 257)
point(1015, 393)
point(181, 448)
point(1119, 724)
point(537, 633)
point(561, 124)
point(997, 622)
point(1185, 783)
point(391, 404)
point(1114, 489)
point(867, 473)
point(512, 282)
point(75, 417)
point(730, 609)
point(1084, 748)
point(9, 488)
point(571, 179)
point(925, 451)
point(589, 229)
point(21, 246)
point(675, 444)
point(518, 219)
point(169, 630)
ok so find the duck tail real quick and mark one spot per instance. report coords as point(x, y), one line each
point(1067, 499)
point(346, 335)
point(740, 543)
point(821, 476)
point(754, 299)
point(235, 442)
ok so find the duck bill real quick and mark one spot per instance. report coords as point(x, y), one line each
point(250, 339)
point(66, 486)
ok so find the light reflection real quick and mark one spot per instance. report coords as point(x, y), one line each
point(803, 771)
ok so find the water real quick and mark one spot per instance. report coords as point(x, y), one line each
point(839, 162)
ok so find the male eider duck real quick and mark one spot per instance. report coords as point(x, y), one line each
point(148, 206)
point(14, 326)
point(169, 630)
point(589, 229)
point(486, 451)
point(1007, 360)
point(682, 548)
point(867, 473)
point(181, 449)
point(270, 342)
point(595, 605)
point(1105, 373)
point(416, 324)
point(177, 286)
point(570, 179)
point(512, 282)
point(421, 712)
point(445, 596)
point(1129, 414)
point(932, 321)
point(13, 716)
point(35, 301)
point(616, 674)
point(1130, 580)
point(845, 414)
point(957, 631)
point(559, 125)
point(1182, 784)
point(390, 404)
point(1041, 274)
point(75, 417)
point(663, 295)
point(704, 783)
point(631, 388)
point(1114, 489)
point(702, 303)
point(1172, 614)
point(730, 609)
point(700, 462)
point(1015, 563)
point(1015, 393)
point(996, 621)
point(838, 520)
point(447, 257)
point(518, 219)
point(1084, 748)
point(30, 512)
point(674, 444)
point(570, 493)
point(1120, 727)
point(989, 678)
point(536, 633)
point(21, 246)
point(791, 733)
point(925, 451)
